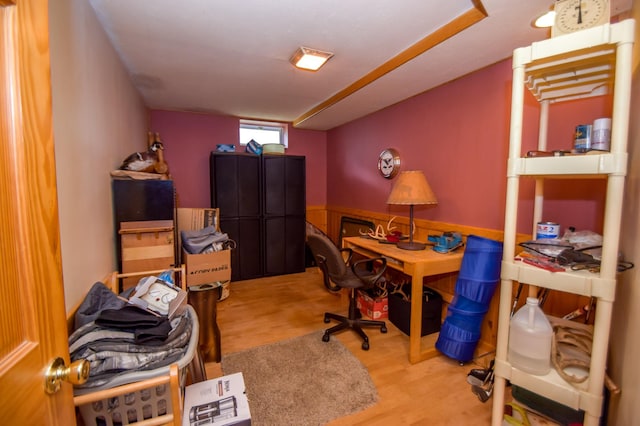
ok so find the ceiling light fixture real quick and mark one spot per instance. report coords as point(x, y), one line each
point(545, 20)
point(309, 59)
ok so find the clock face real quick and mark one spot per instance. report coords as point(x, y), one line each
point(389, 163)
point(576, 15)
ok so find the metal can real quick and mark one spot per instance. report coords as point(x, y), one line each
point(601, 138)
point(547, 230)
point(582, 141)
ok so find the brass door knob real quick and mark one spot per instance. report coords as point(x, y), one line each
point(77, 373)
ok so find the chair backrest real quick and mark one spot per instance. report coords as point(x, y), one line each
point(321, 245)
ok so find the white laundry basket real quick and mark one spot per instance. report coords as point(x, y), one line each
point(142, 404)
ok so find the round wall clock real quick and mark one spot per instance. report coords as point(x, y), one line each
point(576, 15)
point(389, 163)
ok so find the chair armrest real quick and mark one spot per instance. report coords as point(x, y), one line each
point(370, 279)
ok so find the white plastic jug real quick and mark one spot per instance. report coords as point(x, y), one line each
point(530, 335)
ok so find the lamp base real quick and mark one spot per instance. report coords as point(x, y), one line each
point(411, 245)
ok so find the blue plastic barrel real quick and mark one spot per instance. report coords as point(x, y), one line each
point(481, 260)
point(477, 281)
point(461, 327)
point(480, 269)
point(456, 342)
point(464, 305)
point(476, 290)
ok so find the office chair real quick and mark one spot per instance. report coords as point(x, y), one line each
point(339, 273)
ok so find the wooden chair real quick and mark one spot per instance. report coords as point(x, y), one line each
point(172, 378)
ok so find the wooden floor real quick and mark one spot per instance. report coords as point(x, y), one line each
point(433, 392)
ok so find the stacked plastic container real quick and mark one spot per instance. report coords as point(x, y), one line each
point(477, 281)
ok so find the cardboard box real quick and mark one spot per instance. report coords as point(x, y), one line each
point(377, 308)
point(400, 311)
point(190, 219)
point(207, 268)
point(203, 268)
point(146, 246)
point(220, 401)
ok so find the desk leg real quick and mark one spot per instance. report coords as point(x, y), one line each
point(415, 323)
point(416, 354)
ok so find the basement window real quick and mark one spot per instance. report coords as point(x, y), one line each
point(263, 132)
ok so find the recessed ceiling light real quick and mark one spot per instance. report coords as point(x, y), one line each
point(309, 59)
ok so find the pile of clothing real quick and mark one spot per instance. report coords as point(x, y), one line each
point(206, 240)
point(119, 338)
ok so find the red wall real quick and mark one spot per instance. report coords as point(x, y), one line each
point(458, 134)
point(189, 139)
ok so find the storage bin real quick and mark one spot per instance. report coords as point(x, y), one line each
point(480, 269)
point(400, 312)
point(477, 290)
point(143, 404)
point(467, 327)
point(460, 331)
point(455, 349)
point(456, 342)
point(560, 413)
point(463, 305)
point(124, 409)
point(481, 260)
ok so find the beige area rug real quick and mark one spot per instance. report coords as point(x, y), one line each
point(302, 381)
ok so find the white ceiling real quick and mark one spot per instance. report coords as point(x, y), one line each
point(232, 57)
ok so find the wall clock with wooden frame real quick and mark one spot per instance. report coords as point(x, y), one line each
point(389, 163)
point(576, 15)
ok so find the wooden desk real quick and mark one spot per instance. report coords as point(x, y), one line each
point(417, 264)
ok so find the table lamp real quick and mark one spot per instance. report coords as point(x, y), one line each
point(411, 188)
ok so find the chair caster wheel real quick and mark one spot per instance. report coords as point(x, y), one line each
point(325, 337)
point(365, 346)
point(326, 320)
point(383, 329)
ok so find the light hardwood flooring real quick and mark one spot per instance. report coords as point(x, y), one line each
point(432, 392)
